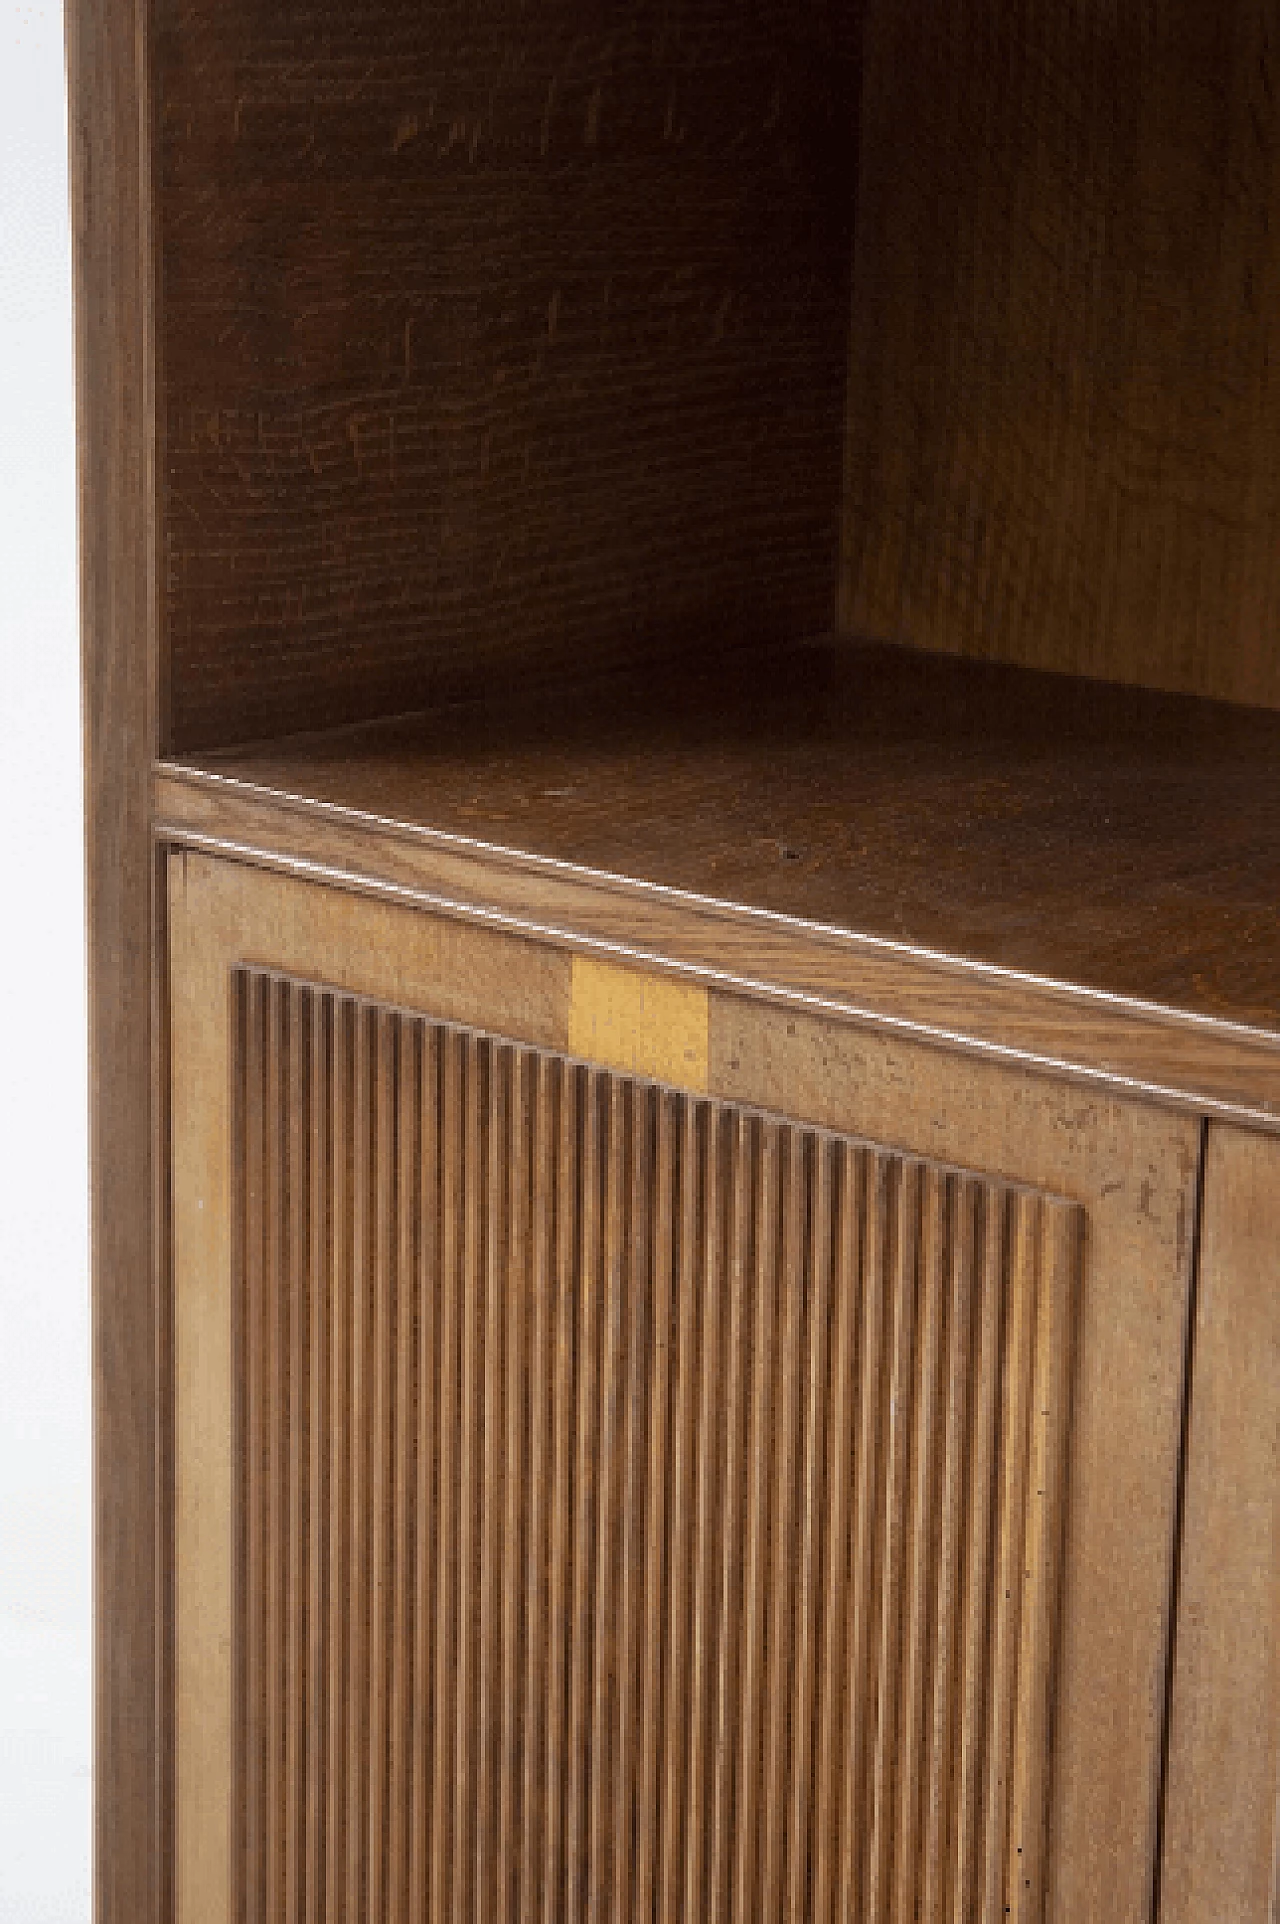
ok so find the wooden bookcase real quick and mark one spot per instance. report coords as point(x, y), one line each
point(682, 728)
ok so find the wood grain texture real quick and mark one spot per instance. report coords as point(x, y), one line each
point(1112, 838)
point(405, 958)
point(495, 337)
point(1221, 1830)
point(1135, 1171)
point(930, 814)
point(1139, 1048)
point(1131, 1168)
point(1063, 427)
point(935, 1280)
point(199, 1717)
point(123, 700)
point(389, 951)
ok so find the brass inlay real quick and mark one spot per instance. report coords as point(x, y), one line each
point(644, 1024)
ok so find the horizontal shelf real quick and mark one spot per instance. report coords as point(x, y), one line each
point(1014, 859)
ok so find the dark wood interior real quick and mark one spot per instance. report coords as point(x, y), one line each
point(1064, 421)
point(495, 339)
point(510, 361)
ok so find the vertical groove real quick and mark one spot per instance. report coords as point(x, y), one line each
point(428, 1537)
point(489, 1443)
point(922, 1548)
point(253, 1325)
point(850, 1284)
point(297, 1418)
point(277, 1427)
point(477, 1154)
point(572, 1089)
point(750, 1742)
point(357, 1686)
point(648, 1510)
point(585, 1485)
point(635, 1269)
point(505, 1901)
point(864, 1574)
point(407, 1157)
point(780, 1624)
point(680, 1548)
point(339, 1481)
point(705, 1527)
point(318, 1191)
point(451, 1096)
point(808, 1599)
point(381, 1452)
point(608, 1498)
point(744, 1153)
point(544, 1150)
point(657, 1571)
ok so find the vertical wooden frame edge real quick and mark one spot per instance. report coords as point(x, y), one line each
point(1223, 1774)
point(1178, 1530)
point(108, 51)
point(198, 1711)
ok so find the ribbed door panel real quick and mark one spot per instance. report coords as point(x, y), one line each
point(648, 1509)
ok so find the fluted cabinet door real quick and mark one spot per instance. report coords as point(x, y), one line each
point(644, 1506)
point(595, 1498)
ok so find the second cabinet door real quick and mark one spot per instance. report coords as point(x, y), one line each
point(611, 1482)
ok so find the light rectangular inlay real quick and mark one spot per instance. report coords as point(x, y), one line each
point(638, 1021)
point(646, 1508)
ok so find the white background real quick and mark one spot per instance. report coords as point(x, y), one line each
point(44, 1311)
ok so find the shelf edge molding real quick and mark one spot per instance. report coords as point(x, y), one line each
point(1173, 1056)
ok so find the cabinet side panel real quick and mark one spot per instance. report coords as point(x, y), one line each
point(496, 336)
point(1063, 424)
point(107, 53)
point(1224, 1763)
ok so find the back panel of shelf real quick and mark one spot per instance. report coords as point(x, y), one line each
point(494, 339)
point(500, 343)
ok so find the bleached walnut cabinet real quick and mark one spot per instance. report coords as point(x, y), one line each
point(684, 807)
